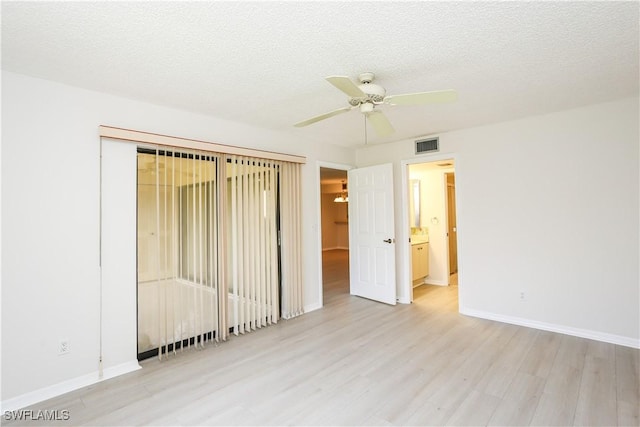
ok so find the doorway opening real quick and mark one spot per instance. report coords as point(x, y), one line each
point(433, 226)
point(334, 225)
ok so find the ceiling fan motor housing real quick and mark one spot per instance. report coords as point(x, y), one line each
point(373, 92)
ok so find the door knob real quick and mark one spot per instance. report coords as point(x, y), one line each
point(387, 240)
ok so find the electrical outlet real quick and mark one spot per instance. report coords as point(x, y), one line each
point(522, 295)
point(63, 347)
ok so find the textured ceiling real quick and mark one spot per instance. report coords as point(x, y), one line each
point(264, 63)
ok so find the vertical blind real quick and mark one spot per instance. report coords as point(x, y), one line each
point(291, 241)
point(252, 249)
point(209, 261)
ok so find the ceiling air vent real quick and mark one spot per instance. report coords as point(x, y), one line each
point(427, 145)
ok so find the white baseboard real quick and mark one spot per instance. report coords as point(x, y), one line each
point(46, 393)
point(428, 281)
point(121, 369)
point(551, 327)
point(312, 307)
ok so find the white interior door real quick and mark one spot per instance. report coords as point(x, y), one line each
point(371, 233)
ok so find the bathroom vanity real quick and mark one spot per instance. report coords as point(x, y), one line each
point(419, 259)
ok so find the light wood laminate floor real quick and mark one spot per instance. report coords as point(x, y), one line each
point(358, 362)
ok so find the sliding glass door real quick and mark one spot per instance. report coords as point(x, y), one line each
point(209, 260)
point(178, 250)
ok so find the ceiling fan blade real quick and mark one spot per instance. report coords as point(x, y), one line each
point(322, 117)
point(422, 98)
point(346, 85)
point(380, 123)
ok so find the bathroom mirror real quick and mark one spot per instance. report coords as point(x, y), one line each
point(415, 202)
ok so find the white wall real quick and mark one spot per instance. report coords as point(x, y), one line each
point(50, 223)
point(118, 257)
point(548, 206)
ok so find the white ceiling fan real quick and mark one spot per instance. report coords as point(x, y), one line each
point(367, 96)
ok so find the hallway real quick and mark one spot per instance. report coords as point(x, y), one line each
point(335, 285)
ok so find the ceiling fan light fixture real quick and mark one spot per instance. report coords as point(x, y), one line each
point(342, 197)
point(366, 107)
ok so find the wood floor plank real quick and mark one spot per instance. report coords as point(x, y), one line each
point(476, 409)
point(285, 406)
point(428, 414)
point(408, 381)
point(597, 401)
point(520, 401)
point(603, 350)
point(572, 351)
point(554, 410)
point(557, 405)
point(542, 354)
point(498, 377)
point(628, 385)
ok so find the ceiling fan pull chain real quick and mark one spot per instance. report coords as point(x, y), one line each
point(365, 129)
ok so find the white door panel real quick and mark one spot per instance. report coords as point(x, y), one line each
point(372, 243)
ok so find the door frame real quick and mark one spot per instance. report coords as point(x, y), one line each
point(328, 165)
point(447, 210)
point(405, 288)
